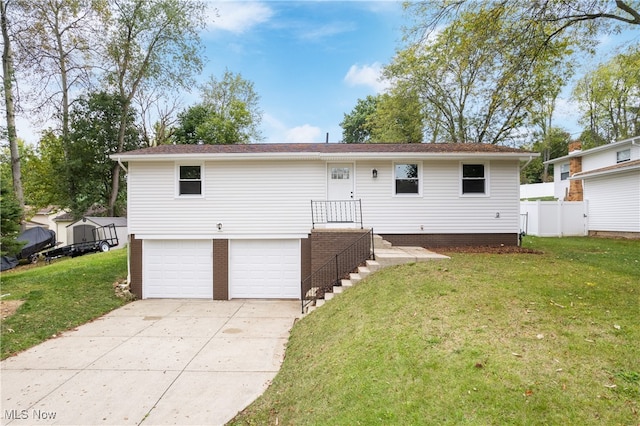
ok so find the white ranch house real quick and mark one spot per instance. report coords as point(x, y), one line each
point(252, 221)
point(607, 178)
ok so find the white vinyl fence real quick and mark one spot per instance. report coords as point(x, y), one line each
point(554, 218)
point(537, 190)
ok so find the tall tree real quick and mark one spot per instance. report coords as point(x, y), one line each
point(46, 174)
point(151, 43)
point(554, 144)
point(10, 221)
point(481, 74)
point(609, 98)
point(157, 116)
point(58, 46)
point(7, 85)
point(583, 18)
point(95, 125)
point(397, 118)
point(229, 113)
point(356, 124)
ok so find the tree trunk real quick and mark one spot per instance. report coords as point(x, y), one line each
point(115, 183)
point(7, 72)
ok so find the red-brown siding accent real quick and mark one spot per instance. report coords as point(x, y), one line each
point(135, 266)
point(451, 240)
point(221, 269)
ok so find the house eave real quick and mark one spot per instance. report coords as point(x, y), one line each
point(310, 156)
point(613, 145)
point(606, 172)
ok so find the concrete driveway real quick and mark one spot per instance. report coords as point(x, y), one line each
point(151, 362)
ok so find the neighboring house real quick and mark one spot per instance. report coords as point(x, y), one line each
point(81, 230)
point(608, 178)
point(60, 226)
point(251, 221)
point(45, 217)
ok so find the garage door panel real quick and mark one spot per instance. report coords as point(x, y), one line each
point(178, 269)
point(264, 269)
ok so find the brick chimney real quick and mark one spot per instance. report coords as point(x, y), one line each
point(575, 166)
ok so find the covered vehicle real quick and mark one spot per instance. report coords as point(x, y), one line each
point(8, 262)
point(36, 239)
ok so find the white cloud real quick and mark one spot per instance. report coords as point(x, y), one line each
point(367, 75)
point(277, 132)
point(327, 30)
point(237, 17)
point(304, 133)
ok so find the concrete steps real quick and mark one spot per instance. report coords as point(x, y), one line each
point(386, 255)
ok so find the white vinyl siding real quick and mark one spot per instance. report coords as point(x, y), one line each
point(245, 197)
point(440, 209)
point(614, 202)
point(261, 198)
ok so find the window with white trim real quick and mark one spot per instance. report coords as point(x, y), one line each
point(622, 156)
point(189, 180)
point(564, 171)
point(473, 179)
point(407, 180)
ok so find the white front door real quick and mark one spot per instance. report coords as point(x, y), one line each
point(340, 181)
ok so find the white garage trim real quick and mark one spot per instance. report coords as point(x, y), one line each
point(177, 269)
point(268, 269)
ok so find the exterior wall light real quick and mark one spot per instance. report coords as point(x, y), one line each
point(219, 226)
point(374, 173)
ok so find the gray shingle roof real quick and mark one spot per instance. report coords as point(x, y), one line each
point(325, 148)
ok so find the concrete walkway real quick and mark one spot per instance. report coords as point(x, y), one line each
point(151, 362)
point(396, 255)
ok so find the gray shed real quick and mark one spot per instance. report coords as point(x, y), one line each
point(82, 230)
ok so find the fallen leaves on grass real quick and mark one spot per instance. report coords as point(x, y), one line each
point(490, 250)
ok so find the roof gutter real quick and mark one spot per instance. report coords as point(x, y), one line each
point(321, 156)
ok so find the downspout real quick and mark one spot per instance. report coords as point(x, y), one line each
point(527, 163)
point(128, 234)
point(127, 171)
point(521, 233)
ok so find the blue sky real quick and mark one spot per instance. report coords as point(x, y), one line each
point(310, 61)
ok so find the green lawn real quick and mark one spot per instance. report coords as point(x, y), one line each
point(59, 296)
point(482, 339)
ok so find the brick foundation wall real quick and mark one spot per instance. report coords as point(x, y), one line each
point(305, 258)
point(220, 269)
point(325, 244)
point(135, 266)
point(451, 240)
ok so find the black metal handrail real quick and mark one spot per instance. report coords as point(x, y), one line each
point(323, 279)
point(336, 211)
